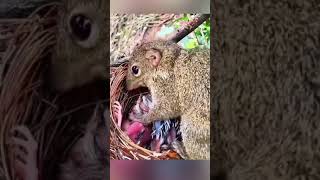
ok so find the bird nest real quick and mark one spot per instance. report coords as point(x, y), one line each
point(26, 45)
point(121, 146)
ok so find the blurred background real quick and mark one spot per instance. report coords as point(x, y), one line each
point(159, 170)
point(160, 6)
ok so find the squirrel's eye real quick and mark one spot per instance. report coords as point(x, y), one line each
point(81, 26)
point(135, 70)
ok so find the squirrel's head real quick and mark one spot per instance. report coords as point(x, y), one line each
point(150, 58)
point(81, 46)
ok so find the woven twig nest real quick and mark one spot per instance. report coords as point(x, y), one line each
point(121, 146)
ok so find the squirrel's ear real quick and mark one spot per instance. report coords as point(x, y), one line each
point(154, 57)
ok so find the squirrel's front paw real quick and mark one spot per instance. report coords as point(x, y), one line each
point(179, 148)
point(24, 148)
point(118, 112)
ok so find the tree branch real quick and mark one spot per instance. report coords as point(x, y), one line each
point(189, 27)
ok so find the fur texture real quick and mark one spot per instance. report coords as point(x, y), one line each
point(266, 97)
point(179, 86)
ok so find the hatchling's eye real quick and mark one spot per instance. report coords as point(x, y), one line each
point(81, 26)
point(135, 70)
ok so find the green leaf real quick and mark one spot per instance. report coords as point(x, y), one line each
point(184, 18)
point(191, 43)
point(200, 36)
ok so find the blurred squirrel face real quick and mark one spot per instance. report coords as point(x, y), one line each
point(84, 23)
point(81, 26)
point(81, 51)
point(83, 29)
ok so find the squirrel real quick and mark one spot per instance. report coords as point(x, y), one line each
point(179, 83)
point(81, 51)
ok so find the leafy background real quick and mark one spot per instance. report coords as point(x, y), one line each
point(126, 30)
point(199, 37)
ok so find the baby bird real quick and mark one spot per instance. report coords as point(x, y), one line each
point(137, 132)
point(164, 134)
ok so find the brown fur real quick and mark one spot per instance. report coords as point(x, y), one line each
point(179, 86)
